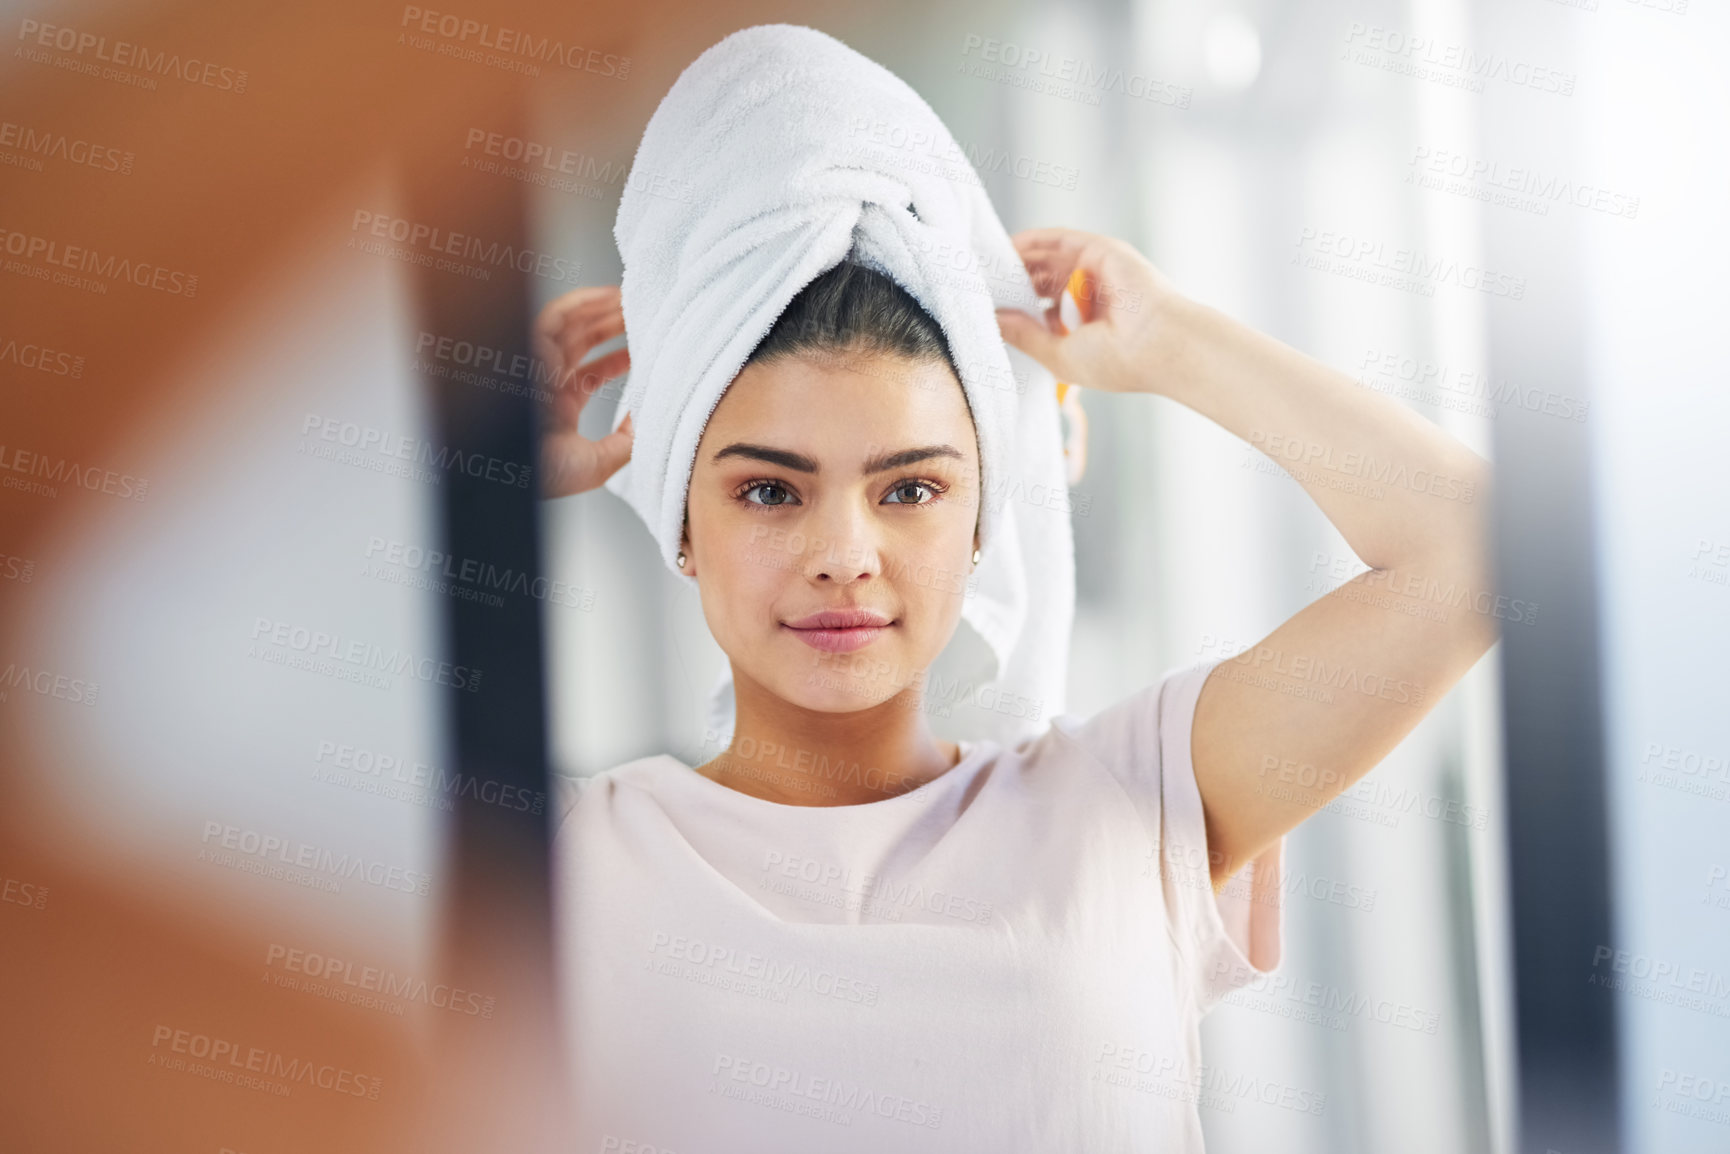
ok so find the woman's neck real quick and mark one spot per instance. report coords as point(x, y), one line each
point(795, 756)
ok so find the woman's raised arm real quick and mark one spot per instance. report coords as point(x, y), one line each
point(1323, 698)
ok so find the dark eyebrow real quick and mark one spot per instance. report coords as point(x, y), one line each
point(803, 464)
point(797, 461)
point(910, 457)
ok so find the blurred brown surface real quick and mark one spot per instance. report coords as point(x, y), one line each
point(222, 183)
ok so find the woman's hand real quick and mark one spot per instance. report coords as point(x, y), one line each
point(1126, 342)
point(564, 333)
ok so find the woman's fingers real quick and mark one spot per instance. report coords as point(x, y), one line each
point(583, 332)
point(551, 320)
point(1051, 255)
point(578, 385)
point(580, 304)
point(613, 450)
point(572, 324)
point(587, 379)
point(1034, 339)
point(571, 463)
point(567, 330)
point(576, 345)
point(1120, 277)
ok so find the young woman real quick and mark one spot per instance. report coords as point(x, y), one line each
point(844, 934)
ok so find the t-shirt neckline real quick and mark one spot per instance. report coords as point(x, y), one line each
point(974, 753)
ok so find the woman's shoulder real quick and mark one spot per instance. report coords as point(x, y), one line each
point(1130, 735)
point(568, 789)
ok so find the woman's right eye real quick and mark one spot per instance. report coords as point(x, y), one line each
point(777, 494)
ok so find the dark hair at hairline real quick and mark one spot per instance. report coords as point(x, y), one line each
point(851, 309)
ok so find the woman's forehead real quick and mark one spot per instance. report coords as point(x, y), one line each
point(851, 406)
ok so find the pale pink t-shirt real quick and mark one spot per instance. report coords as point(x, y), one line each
point(993, 962)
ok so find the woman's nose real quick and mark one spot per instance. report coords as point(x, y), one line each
point(842, 547)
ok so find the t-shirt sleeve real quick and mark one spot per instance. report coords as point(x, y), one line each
point(566, 790)
point(1229, 939)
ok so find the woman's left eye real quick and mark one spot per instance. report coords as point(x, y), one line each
point(929, 489)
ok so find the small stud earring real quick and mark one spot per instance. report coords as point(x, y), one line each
point(681, 558)
point(976, 556)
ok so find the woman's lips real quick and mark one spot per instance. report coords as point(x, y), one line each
point(840, 630)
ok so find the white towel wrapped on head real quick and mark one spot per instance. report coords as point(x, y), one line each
point(776, 154)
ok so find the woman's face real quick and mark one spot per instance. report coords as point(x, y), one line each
point(835, 485)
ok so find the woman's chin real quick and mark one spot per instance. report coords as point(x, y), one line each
point(825, 691)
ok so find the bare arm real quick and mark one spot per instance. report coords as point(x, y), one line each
point(1324, 697)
